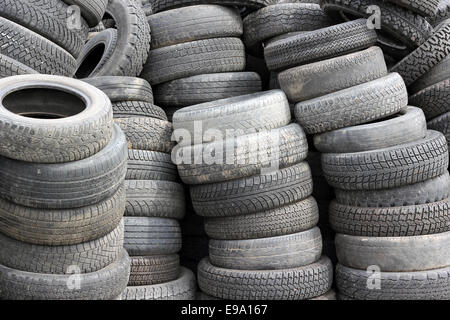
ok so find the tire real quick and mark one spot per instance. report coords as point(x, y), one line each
point(83, 128)
point(194, 23)
point(105, 284)
point(438, 73)
point(137, 109)
point(150, 165)
point(253, 194)
point(123, 88)
point(34, 51)
point(275, 253)
point(252, 155)
point(278, 19)
point(92, 11)
point(426, 8)
point(325, 77)
point(150, 270)
point(183, 288)
point(361, 104)
point(433, 100)
point(293, 218)
point(157, 199)
point(249, 114)
point(319, 45)
point(390, 167)
point(424, 58)
point(66, 185)
point(151, 236)
point(50, 19)
point(441, 124)
point(407, 126)
point(399, 23)
point(62, 227)
point(419, 285)
point(206, 88)
point(87, 257)
point(400, 221)
point(147, 133)
point(443, 12)
point(10, 67)
point(394, 254)
point(162, 5)
point(194, 58)
point(309, 281)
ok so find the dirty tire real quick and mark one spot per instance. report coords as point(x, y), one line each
point(434, 99)
point(137, 109)
point(441, 124)
point(438, 73)
point(91, 11)
point(426, 8)
point(162, 5)
point(149, 270)
point(150, 165)
point(10, 67)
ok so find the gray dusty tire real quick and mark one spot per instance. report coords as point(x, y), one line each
point(434, 99)
point(10, 67)
point(361, 104)
point(324, 77)
point(150, 270)
point(406, 126)
point(438, 73)
point(426, 8)
point(105, 284)
point(52, 123)
point(162, 5)
point(274, 253)
point(309, 281)
point(441, 124)
point(92, 11)
point(390, 167)
point(137, 109)
point(150, 165)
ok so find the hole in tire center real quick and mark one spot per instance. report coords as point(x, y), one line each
point(43, 103)
point(90, 61)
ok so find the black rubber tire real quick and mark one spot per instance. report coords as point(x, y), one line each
point(92, 11)
point(274, 253)
point(105, 284)
point(434, 99)
point(157, 199)
point(251, 113)
point(390, 167)
point(278, 19)
point(426, 8)
point(49, 18)
point(309, 281)
point(62, 227)
point(361, 104)
point(10, 67)
point(84, 129)
point(162, 5)
point(401, 221)
point(87, 257)
point(438, 73)
point(253, 194)
point(399, 23)
point(123, 88)
point(183, 288)
point(147, 133)
point(325, 77)
point(194, 58)
point(150, 270)
point(133, 109)
point(151, 236)
point(293, 218)
point(419, 285)
point(325, 43)
point(66, 185)
point(252, 154)
point(407, 126)
point(194, 23)
point(34, 51)
point(443, 12)
point(206, 87)
point(394, 254)
point(428, 55)
point(150, 165)
point(441, 124)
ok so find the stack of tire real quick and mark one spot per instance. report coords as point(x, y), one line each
point(249, 180)
point(196, 55)
point(44, 36)
point(63, 164)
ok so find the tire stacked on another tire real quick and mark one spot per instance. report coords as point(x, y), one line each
point(197, 56)
point(247, 176)
point(63, 163)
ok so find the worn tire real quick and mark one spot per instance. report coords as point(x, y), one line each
point(10, 67)
point(150, 165)
point(426, 8)
point(150, 270)
point(162, 5)
point(92, 11)
point(434, 99)
point(441, 124)
point(438, 73)
point(361, 104)
point(137, 109)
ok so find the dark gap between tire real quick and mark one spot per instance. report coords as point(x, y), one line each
point(91, 61)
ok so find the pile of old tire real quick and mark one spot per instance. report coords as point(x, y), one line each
point(44, 36)
point(120, 48)
point(197, 55)
point(247, 176)
point(62, 198)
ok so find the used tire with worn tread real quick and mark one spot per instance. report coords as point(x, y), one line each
point(149, 270)
point(137, 109)
point(92, 11)
point(150, 165)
